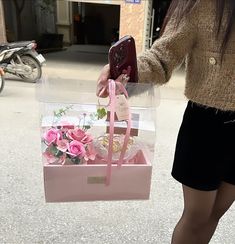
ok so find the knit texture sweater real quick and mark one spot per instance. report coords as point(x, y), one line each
point(209, 81)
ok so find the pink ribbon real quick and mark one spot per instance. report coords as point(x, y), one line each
point(112, 102)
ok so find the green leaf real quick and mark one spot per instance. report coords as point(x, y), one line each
point(53, 150)
point(58, 153)
point(101, 113)
point(92, 116)
point(87, 127)
point(62, 111)
point(76, 160)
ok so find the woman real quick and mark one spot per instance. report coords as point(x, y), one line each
point(202, 32)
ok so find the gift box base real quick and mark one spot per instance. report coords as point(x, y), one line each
point(72, 183)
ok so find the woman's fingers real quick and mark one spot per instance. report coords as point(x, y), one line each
point(123, 78)
point(1, 71)
point(102, 91)
point(102, 83)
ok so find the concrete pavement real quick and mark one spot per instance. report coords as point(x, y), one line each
point(24, 215)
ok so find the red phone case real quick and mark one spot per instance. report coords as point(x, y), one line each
point(121, 55)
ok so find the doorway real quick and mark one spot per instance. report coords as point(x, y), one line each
point(160, 8)
point(156, 12)
point(92, 24)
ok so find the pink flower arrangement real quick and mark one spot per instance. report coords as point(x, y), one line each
point(66, 143)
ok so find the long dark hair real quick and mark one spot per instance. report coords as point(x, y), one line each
point(182, 8)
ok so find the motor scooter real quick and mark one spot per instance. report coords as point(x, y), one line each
point(21, 59)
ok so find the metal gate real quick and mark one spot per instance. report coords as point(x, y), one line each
point(149, 20)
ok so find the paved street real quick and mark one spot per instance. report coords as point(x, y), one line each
point(24, 215)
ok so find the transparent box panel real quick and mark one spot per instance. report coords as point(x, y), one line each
point(71, 111)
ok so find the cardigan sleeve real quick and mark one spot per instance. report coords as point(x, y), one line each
point(168, 52)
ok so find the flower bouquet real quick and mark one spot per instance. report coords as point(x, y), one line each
point(70, 144)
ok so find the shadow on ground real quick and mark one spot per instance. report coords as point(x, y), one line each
point(91, 55)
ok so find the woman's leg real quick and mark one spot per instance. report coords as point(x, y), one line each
point(224, 199)
point(198, 207)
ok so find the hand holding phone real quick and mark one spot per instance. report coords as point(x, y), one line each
point(122, 59)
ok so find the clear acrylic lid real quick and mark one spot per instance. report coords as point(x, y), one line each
point(58, 90)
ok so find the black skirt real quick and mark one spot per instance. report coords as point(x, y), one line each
point(205, 149)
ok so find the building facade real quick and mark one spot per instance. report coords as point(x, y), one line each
point(135, 19)
point(92, 22)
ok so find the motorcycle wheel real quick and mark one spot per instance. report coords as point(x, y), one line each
point(36, 69)
point(2, 83)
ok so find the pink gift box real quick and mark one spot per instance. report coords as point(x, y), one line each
point(86, 182)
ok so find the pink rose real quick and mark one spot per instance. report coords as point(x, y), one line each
point(90, 152)
point(62, 159)
point(76, 149)
point(62, 145)
point(87, 139)
point(52, 135)
point(66, 125)
point(77, 134)
point(49, 157)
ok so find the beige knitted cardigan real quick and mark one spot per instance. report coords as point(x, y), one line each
point(208, 81)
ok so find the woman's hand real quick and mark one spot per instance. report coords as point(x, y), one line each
point(102, 84)
point(1, 72)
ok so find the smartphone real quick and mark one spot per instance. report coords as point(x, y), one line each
point(122, 55)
